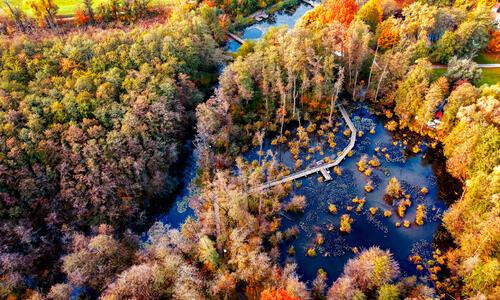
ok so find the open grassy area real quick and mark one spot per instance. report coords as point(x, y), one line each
point(436, 73)
point(489, 75)
point(487, 58)
point(66, 7)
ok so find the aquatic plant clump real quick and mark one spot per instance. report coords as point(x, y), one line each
point(419, 217)
point(345, 223)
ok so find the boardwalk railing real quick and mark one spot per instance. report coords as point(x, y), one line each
point(324, 167)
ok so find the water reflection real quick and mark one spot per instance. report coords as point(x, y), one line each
point(287, 17)
point(414, 171)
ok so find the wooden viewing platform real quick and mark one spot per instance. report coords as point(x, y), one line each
point(323, 168)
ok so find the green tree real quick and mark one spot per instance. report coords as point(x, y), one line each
point(463, 95)
point(388, 292)
point(412, 91)
point(45, 11)
point(207, 252)
point(371, 13)
point(435, 96)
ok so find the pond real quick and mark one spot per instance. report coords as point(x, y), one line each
point(413, 170)
point(287, 17)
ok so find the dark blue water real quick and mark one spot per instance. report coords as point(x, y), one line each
point(256, 31)
point(414, 171)
point(180, 209)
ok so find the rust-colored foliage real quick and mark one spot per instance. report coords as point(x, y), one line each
point(388, 36)
point(342, 11)
point(81, 17)
point(494, 44)
point(403, 3)
point(276, 294)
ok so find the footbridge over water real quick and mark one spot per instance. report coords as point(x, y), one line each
point(323, 168)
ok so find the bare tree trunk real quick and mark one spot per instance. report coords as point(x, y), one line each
point(260, 209)
point(260, 138)
point(282, 117)
point(217, 224)
point(16, 16)
point(380, 80)
point(350, 66)
point(90, 10)
point(267, 105)
point(283, 104)
point(337, 87)
point(294, 95)
point(355, 84)
point(371, 70)
point(425, 117)
point(332, 102)
point(51, 19)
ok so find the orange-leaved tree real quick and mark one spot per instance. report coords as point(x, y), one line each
point(494, 44)
point(388, 33)
point(342, 11)
point(371, 13)
point(276, 294)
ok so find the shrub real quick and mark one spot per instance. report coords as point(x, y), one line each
point(362, 163)
point(393, 188)
point(332, 208)
point(388, 292)
point(419, 217)
point(374, 162)
point(372, 268)
point(296, 204)
point(369, 186)
point(345, 223)
point(401, 209)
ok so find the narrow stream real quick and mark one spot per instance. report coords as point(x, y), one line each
point(179, 209)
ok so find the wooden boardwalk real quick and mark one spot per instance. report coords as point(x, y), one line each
point(235, 37)
point(323, 168)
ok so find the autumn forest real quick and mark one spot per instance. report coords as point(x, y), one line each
point(270, 149)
